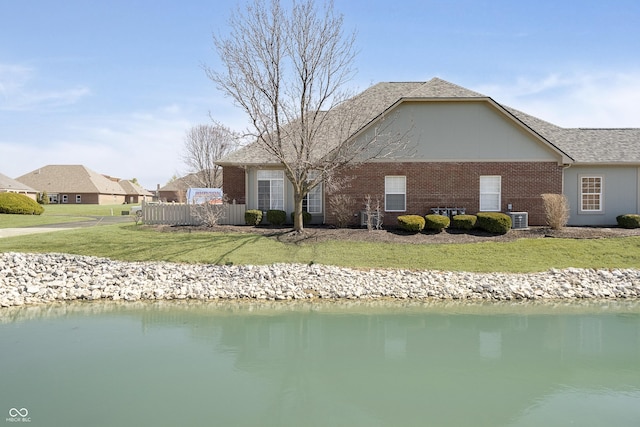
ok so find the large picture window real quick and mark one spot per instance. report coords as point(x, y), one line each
point(395, 193)
point(490, 193)
point(270, 190)
point(591, 193)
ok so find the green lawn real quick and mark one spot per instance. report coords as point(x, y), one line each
point(61, 213)
point(137, 243)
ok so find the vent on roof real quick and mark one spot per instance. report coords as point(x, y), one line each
point(519, 220)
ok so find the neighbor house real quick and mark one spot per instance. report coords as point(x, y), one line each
point(465, 152)
point(134, 193)
point(9, 185)
point(175, 191)
point(74, 184)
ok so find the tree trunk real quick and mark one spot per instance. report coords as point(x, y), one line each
point(298, 223)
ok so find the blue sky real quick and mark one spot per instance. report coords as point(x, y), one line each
point(114, 85)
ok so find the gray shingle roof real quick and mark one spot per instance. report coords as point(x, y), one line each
point(70, 179)
point(193, 180)
point(132, 188)
point(9, 184)
point(596, 146)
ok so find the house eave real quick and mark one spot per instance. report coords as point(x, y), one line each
point(607, 164)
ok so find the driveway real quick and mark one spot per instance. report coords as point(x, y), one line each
point(96, 221)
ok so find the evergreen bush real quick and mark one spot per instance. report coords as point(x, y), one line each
point(253, 217)
point(628, 221)
point(463, 222)
point(436, 222)
point(13, 203)
point(306, 217)
point(276, 217)
point(494, 222)
point(413, 223)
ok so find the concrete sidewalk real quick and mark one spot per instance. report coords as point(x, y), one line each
point(11, 232)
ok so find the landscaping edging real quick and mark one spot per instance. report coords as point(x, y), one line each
point(42, 278)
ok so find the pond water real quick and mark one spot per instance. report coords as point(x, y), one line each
point(321, 364)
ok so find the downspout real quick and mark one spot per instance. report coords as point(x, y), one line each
point(638, 190)
point(564, 168)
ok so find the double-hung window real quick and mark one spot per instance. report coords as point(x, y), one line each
point(270, 190)
point(312, 202)
point(490, 193)
point(395, 193)
point(591, 193)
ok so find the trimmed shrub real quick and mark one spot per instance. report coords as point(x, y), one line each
point(414, 223)
point(13, 203)
point(276, 217)
point(463, 222)
point(628, 221)
point(494, 222)
point(436, 222)
point(253, 217)
point(306, 217)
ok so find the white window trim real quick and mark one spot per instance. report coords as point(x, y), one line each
point(581, 195)
point(65, 198)
point(404, 193)
point(271, 179)
point(490, 193)
point(318, 189)
point(78, 198)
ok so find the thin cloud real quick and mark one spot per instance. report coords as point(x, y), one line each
point(590, 99)
point(19, 91)
point(144, 145)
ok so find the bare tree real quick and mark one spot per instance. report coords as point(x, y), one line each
point(287, 68)
point(203, 145)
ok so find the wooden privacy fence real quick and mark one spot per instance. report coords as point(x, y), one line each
point(181, 214)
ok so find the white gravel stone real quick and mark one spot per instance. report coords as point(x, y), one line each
point(41, 278)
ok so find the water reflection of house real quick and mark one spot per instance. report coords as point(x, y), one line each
point(484, 361)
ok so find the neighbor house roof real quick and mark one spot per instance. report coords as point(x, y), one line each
point(192, 180)
point(9, 184)
point(579, 145)
point(132, 188)
point(70, 179)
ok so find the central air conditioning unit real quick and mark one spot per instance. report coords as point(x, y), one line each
point(363, 218)
point(519, 220)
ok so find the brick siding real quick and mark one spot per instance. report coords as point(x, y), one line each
point(233, 184)
point(452, 184)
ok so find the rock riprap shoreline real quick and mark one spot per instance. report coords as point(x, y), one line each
point(42, 278)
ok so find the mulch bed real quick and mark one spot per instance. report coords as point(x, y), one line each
point(313, 234)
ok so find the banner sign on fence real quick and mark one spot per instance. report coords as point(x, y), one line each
point(199, 196)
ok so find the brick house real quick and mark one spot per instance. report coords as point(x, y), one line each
point(175, 191)
point(74, 184)
point(8, 185)
point(466, 151)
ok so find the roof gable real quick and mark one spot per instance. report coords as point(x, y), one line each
point(596, 146)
